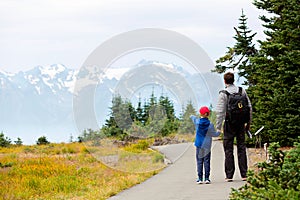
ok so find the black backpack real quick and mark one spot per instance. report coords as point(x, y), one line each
point(238, 109)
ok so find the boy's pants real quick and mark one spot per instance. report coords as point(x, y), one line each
point(230, 132)
point(203, 158)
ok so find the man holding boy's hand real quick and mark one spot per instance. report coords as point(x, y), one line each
point(233, 129)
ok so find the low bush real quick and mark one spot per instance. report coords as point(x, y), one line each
point(158, 158)
point(4, 141)
point(278, 178)
point(138, 147)
point(42, 141)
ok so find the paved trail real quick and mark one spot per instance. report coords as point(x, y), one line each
point(178, 180)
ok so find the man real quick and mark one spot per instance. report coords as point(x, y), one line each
point(232, 130)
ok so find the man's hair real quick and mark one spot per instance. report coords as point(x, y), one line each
point(229, 78)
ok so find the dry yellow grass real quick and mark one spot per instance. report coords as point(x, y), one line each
point(60, 171)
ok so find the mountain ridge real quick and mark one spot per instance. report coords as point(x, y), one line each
point(39, 101)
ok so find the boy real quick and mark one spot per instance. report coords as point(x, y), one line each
point(204, 132)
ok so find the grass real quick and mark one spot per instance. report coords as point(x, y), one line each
point(135, 157)
point(73, 170)
point(68, 171)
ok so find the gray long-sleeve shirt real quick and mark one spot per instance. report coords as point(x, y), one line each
point(222, 104)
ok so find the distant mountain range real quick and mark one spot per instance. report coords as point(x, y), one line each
point(39, 101)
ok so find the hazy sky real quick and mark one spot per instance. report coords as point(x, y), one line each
point(45, 32)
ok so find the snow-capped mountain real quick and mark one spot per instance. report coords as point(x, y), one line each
point(39, 101)
point(36, 102)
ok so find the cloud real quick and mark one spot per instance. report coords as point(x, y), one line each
point(35, 32)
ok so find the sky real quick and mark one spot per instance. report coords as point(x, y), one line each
point(45, 32)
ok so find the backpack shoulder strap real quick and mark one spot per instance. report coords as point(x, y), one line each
point(240, 90)
point(225, 92)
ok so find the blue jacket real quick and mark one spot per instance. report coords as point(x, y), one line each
point(204, 132)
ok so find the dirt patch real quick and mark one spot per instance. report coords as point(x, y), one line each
point(255, 156)
point(4, 169)
point(168, 140)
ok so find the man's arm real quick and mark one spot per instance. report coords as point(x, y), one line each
point(221, 110)
point(250, 106)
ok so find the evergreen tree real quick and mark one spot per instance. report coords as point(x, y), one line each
point(172, 123)
point(4, 141)
point(277, 65)
point(186, 125)
point(151, 105)
point(273, 71)
point(139, 112)
point(153, 99)
point(90, 135)
point(122, 114)
point(130, 113)
point(212, 116)
point(146, 110)
point(238, 56)
point(157, 121)
point(139, 130)
point(150, 119)
point(18, 142)
point(166, 103)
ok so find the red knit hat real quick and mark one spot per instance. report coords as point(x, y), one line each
point(203, 110)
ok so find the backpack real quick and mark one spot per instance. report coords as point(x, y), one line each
point(238, 110)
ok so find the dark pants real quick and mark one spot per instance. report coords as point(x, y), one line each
point(231, 132)
point(203, 158)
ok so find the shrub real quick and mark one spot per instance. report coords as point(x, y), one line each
point(18, 142)
point(139, 147)
point(3, 165)
point(277, 179)
point(66, 150)
point(158, 158)
point(4, 141)
point(42, 140)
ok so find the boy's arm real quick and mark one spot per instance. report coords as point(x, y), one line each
point(193, 118)
point(212, 131)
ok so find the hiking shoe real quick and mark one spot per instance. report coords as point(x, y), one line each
point(228, 179)
point(207, 181)
point(199, 181)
